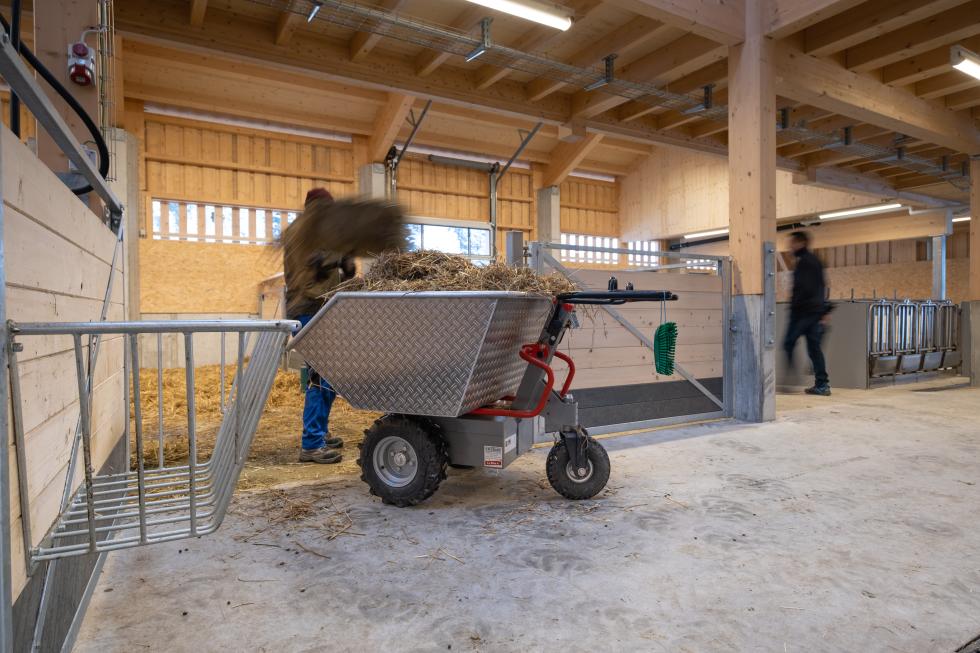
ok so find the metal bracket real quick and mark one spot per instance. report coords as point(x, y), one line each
point(608, 74)
point(769, 295)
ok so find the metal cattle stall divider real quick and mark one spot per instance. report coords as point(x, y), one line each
point(718, 404)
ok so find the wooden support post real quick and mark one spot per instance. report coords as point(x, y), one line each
point(549, 214)
point(752, 213)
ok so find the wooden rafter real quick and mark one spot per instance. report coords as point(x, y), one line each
point(788, 16)
point(963, 99)
point(390, 120)
point(942, 29)
point(944, 84)
point(286, 25)
point(622, 39)
point(568, 156)
point(868, 21)
point(714, 73)
point(722, 22)
point(198, 9)
point(666, 64)
point(924, 65)
point(829, 86)
point(363, 42)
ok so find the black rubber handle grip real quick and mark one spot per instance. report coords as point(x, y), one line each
point(615, 297)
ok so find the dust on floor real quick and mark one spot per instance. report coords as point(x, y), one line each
point(273, 455)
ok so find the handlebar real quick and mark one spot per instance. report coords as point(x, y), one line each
point(616, 297)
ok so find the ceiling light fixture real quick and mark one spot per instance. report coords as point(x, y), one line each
point(965, 218)
point(850, 213)
point(965, 61)
point(705, 234)
point(314, 10)
point(538, 12)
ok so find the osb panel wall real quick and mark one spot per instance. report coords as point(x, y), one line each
point(189, 277)
point(590, 207)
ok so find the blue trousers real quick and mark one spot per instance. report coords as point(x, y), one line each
point(316, 409)
point(808, 326)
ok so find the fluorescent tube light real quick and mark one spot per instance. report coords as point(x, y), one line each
point(314, 10)
point(478, 51)
point(705, 234)
point(965, 61)
point(965, 218)
point(539, 12)
point(878, 208)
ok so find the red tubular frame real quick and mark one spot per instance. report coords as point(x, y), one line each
point(530, 354)
point(571, 372)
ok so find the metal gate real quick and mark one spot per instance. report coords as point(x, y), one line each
point(620, 397)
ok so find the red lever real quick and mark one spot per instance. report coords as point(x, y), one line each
point(529, 353)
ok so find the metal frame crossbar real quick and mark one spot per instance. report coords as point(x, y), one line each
point(540, 257)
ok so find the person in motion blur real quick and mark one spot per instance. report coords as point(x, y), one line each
point(809, 311)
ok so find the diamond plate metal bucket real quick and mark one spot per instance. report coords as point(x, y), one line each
point(429, 353)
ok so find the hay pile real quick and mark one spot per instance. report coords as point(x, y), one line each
point(273, 456)
point(430, 270)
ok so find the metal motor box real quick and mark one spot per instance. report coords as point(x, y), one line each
point(483, 441)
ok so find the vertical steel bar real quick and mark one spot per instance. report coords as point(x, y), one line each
point(727, 391)
point(17, 422)
point(138, 425)
point(6, 572)
point(160, 397)
point(85, 421)
point(238, 396)
point(191, 426)
point(222, 371)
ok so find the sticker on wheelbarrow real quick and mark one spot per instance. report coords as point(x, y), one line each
point(510, 443)
point(493, 457)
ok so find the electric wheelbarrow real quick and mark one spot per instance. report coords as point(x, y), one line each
point(463, 378)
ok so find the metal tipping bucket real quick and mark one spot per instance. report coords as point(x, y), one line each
point(442, 354)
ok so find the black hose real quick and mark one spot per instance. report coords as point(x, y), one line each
point(70, 100)
point(15, 41)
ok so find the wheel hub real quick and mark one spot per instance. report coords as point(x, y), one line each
point(395, 461)
point(580, 475)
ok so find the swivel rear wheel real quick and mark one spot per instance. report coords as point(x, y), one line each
point(402, 460)
point(583, 482)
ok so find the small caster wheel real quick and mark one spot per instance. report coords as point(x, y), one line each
point(402, 460)
point(582, 483)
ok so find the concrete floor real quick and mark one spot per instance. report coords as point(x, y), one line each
point(847, 525)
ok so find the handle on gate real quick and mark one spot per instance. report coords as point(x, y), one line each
point(571, 372)
point(529, 353)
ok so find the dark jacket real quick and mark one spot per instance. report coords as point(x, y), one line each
point(809, 286)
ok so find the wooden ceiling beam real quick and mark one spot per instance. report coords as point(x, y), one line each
point(286, 25)
point(682, 57)
point(945, 28)
point(720, 21)
point(868, 21)
point(428, 61)
point(566, 157)
point(622, 39)
point(924, 65)
point(828, 86)
point(788, 16)
point(362, 42)
point(198, 9)
point(390, 120)
point(535, 39)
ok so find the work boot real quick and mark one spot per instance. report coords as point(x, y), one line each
point(821, 390)
point(333, 443)
point(322, 455)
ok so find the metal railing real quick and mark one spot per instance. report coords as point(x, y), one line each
point(146, 503)
point(912, 336)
